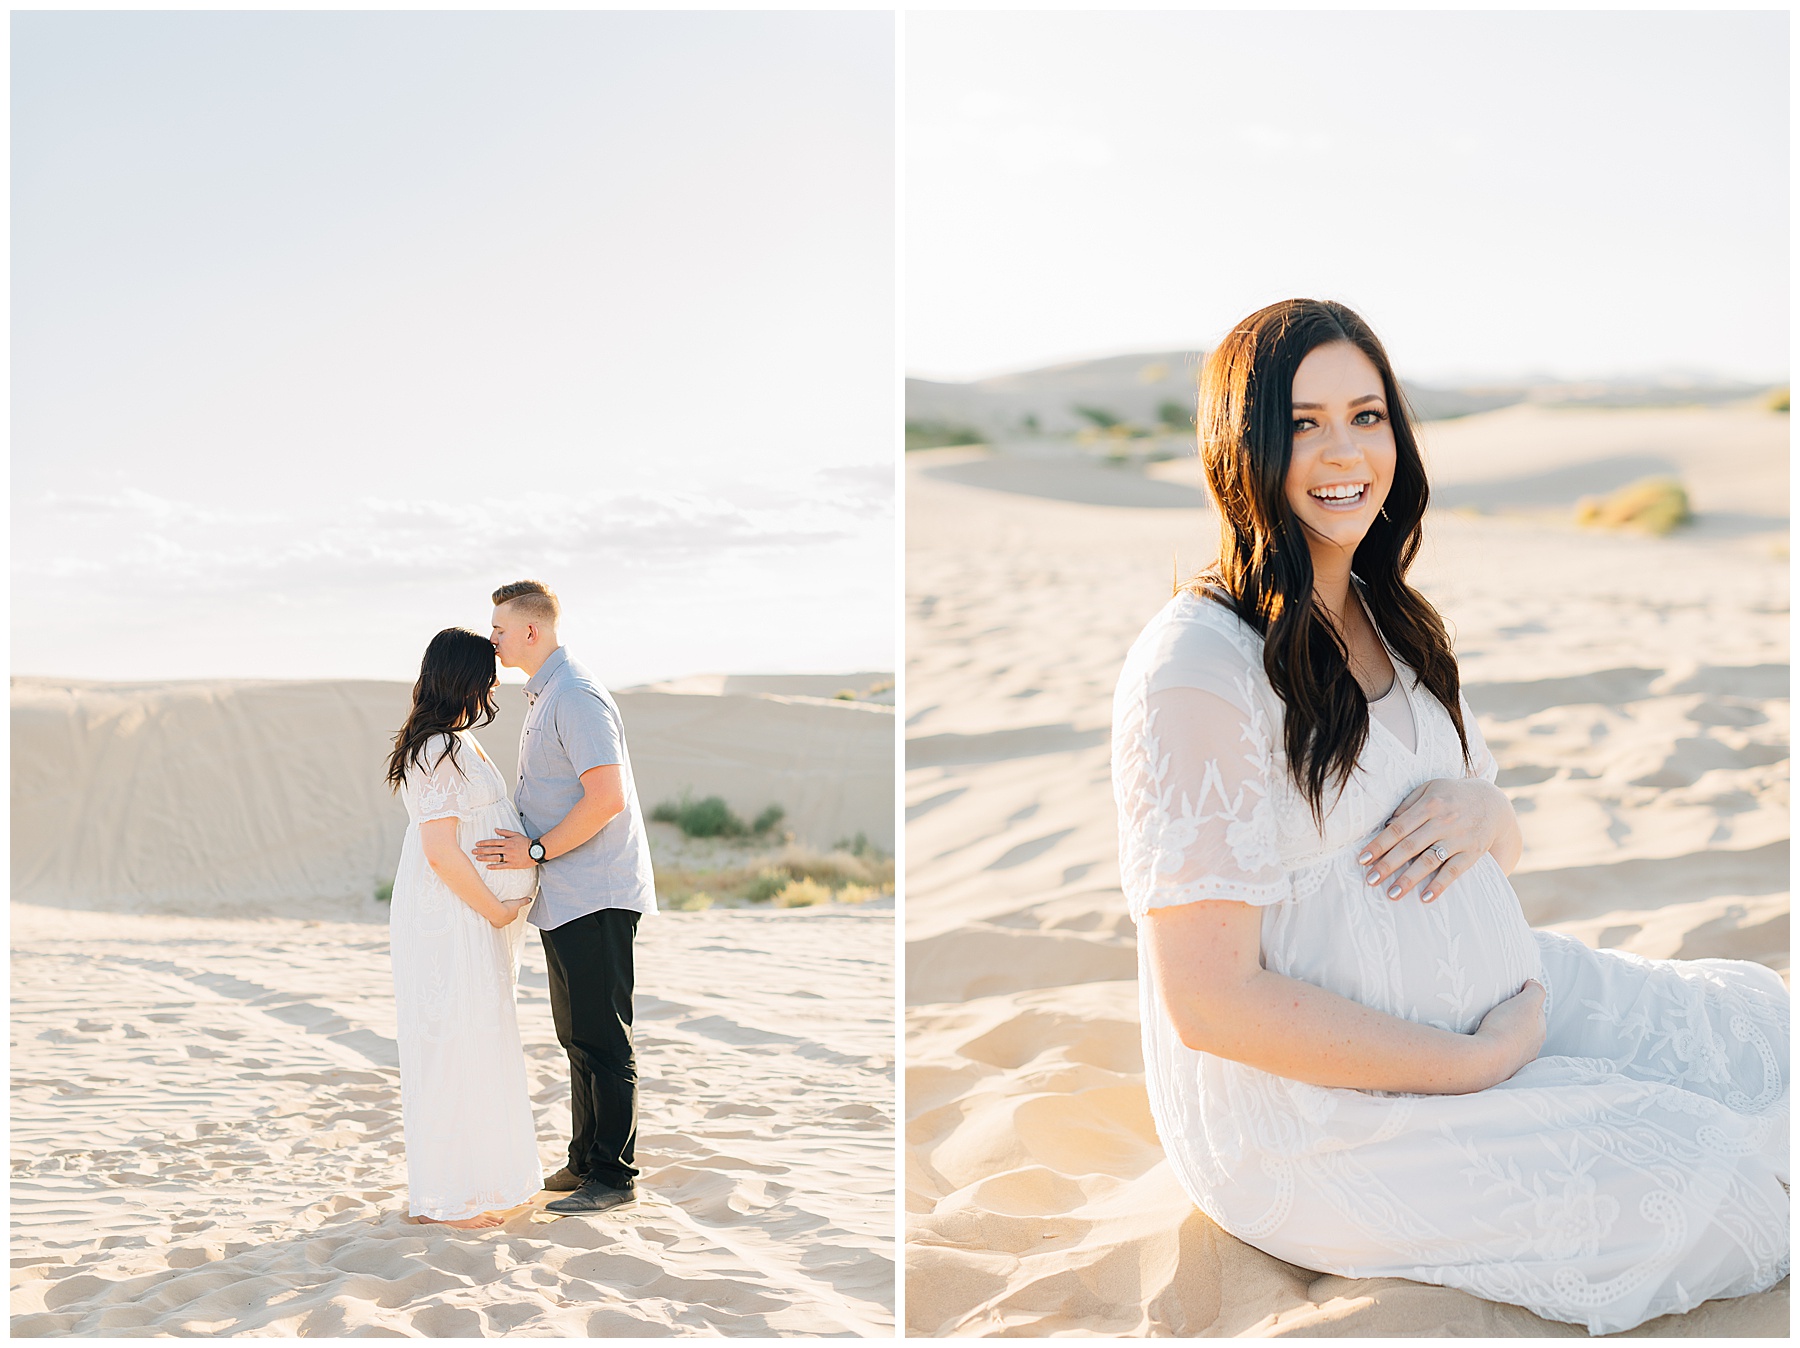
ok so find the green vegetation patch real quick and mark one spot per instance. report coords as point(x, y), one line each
point(711, 817)
point(805, 876)
point(1175, 416)
point(940, 434)
point(1656, 505)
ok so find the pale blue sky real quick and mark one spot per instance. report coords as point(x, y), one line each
point(326, 324)
point(1574, 194)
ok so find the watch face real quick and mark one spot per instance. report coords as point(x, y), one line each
point(537, 851)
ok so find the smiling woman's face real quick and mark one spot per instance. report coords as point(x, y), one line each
point(1343, 459)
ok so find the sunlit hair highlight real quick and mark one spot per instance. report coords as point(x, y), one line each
point(455, 691)
point(534, 599)
point(1246, 434)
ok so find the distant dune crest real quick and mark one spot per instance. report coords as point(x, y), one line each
point(1154, 391)
point(250, 797)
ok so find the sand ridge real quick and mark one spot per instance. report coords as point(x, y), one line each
point(1634, 691)
point(206, 1137)
point(242, 797)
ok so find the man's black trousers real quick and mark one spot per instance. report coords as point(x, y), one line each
point(590, 1000)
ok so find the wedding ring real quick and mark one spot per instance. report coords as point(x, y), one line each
point(1437, 850)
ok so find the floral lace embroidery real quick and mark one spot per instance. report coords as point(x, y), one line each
point(1168, 822)
point(1617, 1188)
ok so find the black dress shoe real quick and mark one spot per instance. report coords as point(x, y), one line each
point(563, 1181)
point(594, 1196)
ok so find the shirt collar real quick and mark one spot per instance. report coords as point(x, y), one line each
point(535, 685)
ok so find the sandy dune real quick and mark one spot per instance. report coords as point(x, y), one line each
point(238, 797)
point(1633, 689)
point(868, 685)
point(206, 1124)
point(206, 1138)
point(829, 764)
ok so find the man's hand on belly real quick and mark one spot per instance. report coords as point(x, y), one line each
point(508, 852)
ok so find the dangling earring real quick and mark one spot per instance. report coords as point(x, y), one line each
point(1384, 515)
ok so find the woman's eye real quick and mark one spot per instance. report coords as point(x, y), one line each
point(1374, 417)
point(1304, 423)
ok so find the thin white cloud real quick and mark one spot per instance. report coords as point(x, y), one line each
point(134, 541)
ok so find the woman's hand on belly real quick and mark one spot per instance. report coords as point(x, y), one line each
point(1513, 1032)
point(1220, 999)
point(1440, 830)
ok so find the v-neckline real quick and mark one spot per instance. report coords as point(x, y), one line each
point(1412, 710)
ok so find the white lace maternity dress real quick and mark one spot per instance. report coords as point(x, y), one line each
point(1636, 1168)
point(471, 1146)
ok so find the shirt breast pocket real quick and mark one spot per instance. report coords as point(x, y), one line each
point(538, 755)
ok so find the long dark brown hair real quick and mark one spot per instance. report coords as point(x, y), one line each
point(455, 692)
point(1246, 431)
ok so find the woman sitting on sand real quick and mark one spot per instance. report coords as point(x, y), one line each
point(471, 1147)
point(1360, 1057)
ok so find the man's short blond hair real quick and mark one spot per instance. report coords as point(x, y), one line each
point(532, 598)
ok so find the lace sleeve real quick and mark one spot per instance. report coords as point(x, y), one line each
point(1481, 759)
point(1191, 776)
point(437, 785)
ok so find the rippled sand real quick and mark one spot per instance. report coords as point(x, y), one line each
point(1633, 689)
point(206, 1138)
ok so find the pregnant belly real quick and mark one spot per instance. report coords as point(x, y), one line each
point(1446, 963)
point(487, 823)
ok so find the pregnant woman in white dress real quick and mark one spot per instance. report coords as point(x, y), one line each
point(1360, 1057)
point(455, 935)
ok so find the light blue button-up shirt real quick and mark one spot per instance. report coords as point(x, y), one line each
point(572, 724)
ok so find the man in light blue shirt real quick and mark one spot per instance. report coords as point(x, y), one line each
point(585, 832)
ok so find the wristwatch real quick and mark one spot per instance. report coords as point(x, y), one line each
point(537, 850)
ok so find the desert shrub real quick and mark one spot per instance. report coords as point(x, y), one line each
point(845, 695)
point(713, 818)
point(708, 818)
point(857, 893)
point(1176, 416)
point(834, 869)
point(937, 434)
point(854, 846)
point(697, 902)
point(761, 880)
point(1778, 400)
point(767, 883)
point(1655, 505)
point(802, 894)
point(384, 892)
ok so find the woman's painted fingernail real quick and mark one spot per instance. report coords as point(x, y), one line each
point(1394, 891)
point(1374, 877)
point(1365, 858)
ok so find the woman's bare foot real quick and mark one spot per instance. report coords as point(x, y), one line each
point(474, 1223)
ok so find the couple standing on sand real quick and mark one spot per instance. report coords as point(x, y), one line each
point(470, 865)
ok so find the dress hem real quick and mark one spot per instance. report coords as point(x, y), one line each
point(475, 1212)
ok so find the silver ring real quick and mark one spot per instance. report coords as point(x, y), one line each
point(1437, 850)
